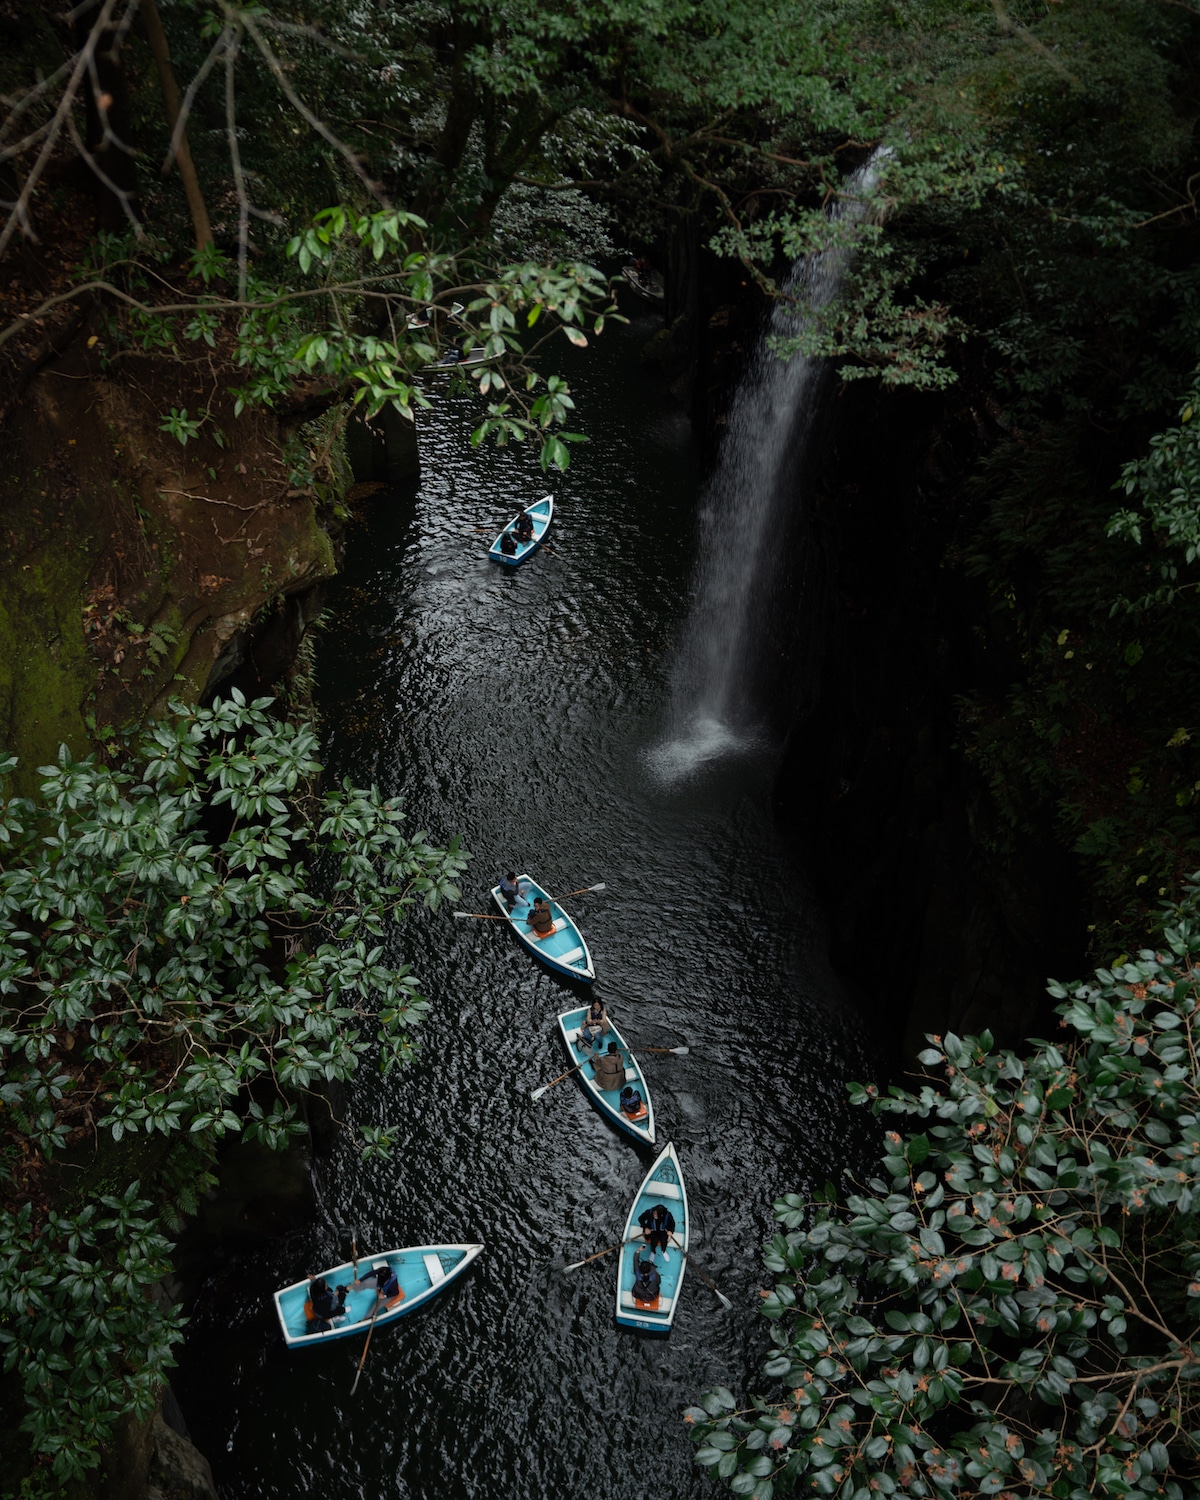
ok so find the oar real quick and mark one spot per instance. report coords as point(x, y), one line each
point(484, 916)
point(598, 1254)
point(354, 1252)
point(537, 1093)
point(366, 1346)
point(582, 891)
point(707, 1280)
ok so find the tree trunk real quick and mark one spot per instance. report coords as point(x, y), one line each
point(157, 38)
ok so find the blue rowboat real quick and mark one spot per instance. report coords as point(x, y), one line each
point(663, 1184)
point(640, 1126)
point(453, 360)
point(541, 513)
point(564, 950)
point(422, 1271)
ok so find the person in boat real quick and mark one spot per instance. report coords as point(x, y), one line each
point(647, 1284)
point(609, 1069)
point(508, 544)
point(539, 917)
point(595, 1024)
point(631, 1101)
point(510, 891)
point(524, 527)
point(658, 1224)
point(385, 1281)
point(324, 1305)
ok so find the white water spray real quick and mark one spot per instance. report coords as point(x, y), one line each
point(712, 712)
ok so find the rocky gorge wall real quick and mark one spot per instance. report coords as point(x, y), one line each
point(938, 922)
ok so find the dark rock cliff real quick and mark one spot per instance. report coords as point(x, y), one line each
point(938, 923)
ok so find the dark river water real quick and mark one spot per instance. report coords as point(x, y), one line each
point(522, 711)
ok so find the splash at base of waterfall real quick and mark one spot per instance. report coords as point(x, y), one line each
point(722, 679)
point(703, 740)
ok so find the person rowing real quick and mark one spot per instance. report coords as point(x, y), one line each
point(524, 527)
point(540, 918)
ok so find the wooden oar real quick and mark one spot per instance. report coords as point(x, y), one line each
point(582, 891)
point(367, 1345)
point(354, 1252)
point(598, 1254)
point(537, 1093)
point(485, 916)
point(707, 1280)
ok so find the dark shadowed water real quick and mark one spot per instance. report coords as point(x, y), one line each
point(522, 711)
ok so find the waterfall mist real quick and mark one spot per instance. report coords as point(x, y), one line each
point(715, 706)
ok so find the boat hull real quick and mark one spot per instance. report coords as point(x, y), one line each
point(650, 286)
point(541, 513)
point(663, 1183)
point(565, 950)
point(608, 1102)
point(422, 1270)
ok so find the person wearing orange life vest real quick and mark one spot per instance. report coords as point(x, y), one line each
point(385, 1281)
point(647, 1284)
point(539, 918)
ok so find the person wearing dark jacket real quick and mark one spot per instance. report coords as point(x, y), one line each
point(647, 1283)
point(524, 527)
point(324, 1305)
point(508, 544)
point(658, 1223)
point(384, 1280)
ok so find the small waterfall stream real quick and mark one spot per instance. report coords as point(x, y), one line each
point(744, 519)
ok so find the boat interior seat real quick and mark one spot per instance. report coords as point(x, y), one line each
point(663, 1189)
point(433, 1264)
point(567, 958)
point(632, 1075)
point(663, 1308)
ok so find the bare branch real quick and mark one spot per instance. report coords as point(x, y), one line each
point(84, 62)
point(233, 43)
point(351, 158)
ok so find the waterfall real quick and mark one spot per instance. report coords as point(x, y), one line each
point(744, 515)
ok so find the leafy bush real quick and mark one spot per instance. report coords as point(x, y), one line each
point(1011, 1308)
point(169, 969)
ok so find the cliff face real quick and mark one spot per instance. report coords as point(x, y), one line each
point(135, 569)
point(939, 922)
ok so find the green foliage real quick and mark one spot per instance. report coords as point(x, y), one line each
point(1166, 484)
point(1009, 1307)
point(169, 968)
point(78, 1320)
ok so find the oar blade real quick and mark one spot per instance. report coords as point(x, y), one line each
point(600, 887)
point(723, 1300)
point(679, 1051)
point(537, 1093)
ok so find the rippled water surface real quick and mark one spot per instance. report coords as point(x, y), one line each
point(523, 710)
